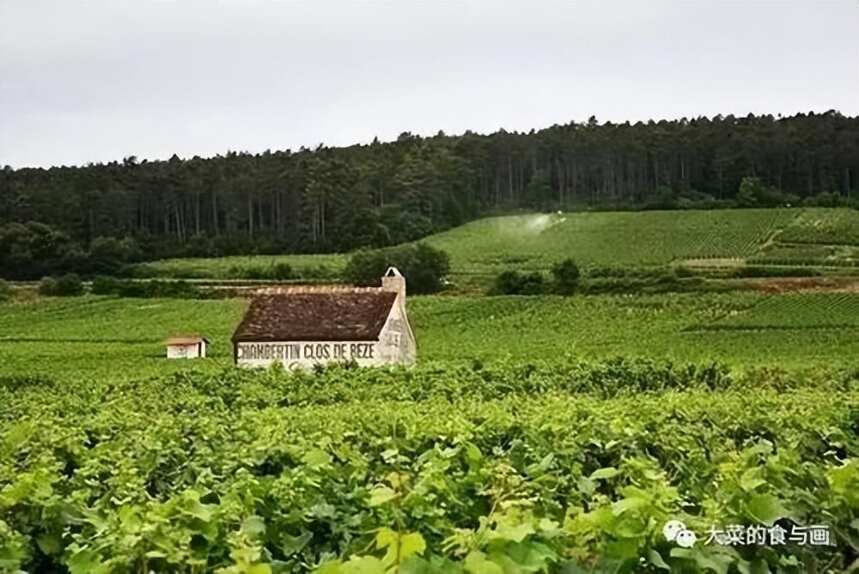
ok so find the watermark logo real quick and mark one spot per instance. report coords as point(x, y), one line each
point(676, 531)
point(754, 535)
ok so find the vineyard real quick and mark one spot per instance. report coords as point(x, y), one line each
point(522, 468)
point(619, 238)
point(537, 434)
point(114, 338)
point(483, 248)
point(824, 226)
point(791, 311)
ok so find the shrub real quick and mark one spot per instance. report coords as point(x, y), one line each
point(281, 271)
point(5, 291)
point(252, 273)
point(753, 192)
point(48, 286)
point(103, 285)
point(108, 255)
point(32, 250)
point(515, 283)
point(69, 285)
point(155, 288)
point(316, 272)
point(566, 274)
point(424, 267)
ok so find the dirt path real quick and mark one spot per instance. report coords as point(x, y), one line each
point(805, 284)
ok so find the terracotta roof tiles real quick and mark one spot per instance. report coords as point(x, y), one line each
point(316, 316)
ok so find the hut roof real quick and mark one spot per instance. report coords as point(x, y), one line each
point(186, 340)
point(316, 316)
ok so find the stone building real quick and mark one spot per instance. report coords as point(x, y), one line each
point(303, 326)
point(186, 347)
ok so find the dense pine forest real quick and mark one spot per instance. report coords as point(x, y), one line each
point(338, 199)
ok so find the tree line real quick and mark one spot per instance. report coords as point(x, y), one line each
point(379, 194)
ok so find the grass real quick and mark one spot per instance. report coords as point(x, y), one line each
point(110, 338)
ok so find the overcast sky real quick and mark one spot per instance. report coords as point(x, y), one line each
point(89, 81)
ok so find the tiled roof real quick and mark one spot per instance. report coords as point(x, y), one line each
point(316, 316)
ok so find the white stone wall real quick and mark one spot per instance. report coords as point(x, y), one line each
point(396, 341)
point(304, 354)
point(396, 344)
point(190, 351)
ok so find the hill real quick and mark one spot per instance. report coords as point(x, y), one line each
point(810, 236)
point(339, 199)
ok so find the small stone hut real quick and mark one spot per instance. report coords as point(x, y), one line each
point(303, 326)
point(186, 347)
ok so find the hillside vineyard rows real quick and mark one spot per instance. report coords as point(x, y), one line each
point(108, 337)
point(813, 235)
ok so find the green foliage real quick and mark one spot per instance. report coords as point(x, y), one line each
point(5, 291)
point(280, 271)
point(753, 192)
point(32, 250)
point(103, 285)
point(423, 267)
point(515, 283)
point(48, 286)
point(539, 188)
point(109, 255)
point(831, 199)
point(68, 285)
point(424, 470)
point(566, 275)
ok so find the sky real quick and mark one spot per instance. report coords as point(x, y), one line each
point(100, 80)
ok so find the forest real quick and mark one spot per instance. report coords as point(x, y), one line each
point(338, 199)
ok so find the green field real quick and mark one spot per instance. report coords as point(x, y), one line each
point(537, 434)
point(814, 236)
point(106, 337)
point(437, 469)
point(826, 226)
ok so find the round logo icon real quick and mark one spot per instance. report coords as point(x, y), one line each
point(676, 531)
point(671, 529)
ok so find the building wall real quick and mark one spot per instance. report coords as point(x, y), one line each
point(186, 351)
point(304, 354)
point(396, 341)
